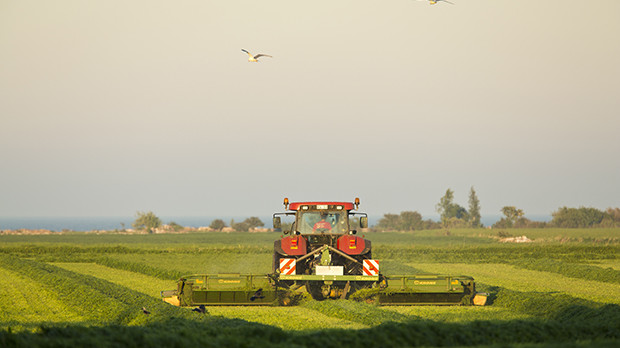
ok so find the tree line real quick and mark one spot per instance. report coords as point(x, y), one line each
point(453, 215)
point(564, 217)
point(243, 226)
point(148, 221)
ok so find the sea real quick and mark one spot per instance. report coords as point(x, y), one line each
point(110, 223)
point(107, 223)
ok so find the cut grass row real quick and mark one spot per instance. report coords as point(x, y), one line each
point(511, 277)
point(495, 253)
point(613, 264)
point(279, 317)
point(207, 262)
point(173, 266)
point(388, 244)
point(60, 251)
point(25, 304)
point(226, 332)
point(326, 314)
point(459, 314)
point(286, 318)
point(311, 315)
point(139, 267)
point(145, 284)
point(159, 242)
point(177, 256)
point(96, 300)
point(358, 312)
point(572, 270)
point(564, 319)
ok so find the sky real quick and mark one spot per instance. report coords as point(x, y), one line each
point(112, 107)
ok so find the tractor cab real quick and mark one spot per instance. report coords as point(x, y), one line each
point(321, 239)
point(322, 222)
point(321, 217)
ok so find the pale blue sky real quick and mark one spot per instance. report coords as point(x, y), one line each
point(110, 107)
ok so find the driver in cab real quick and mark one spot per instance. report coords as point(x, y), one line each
point(323, 225)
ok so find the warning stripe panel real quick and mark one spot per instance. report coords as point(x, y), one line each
point(370, 267)
point(288, 266)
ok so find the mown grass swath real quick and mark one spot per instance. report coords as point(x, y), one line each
point(104, 314)
point(138, 268)
point(26, 304)
point(100, 301)
point(498, 253)
point(559, 325)
point(355, 311)
point(573, 270)
point(560, 307)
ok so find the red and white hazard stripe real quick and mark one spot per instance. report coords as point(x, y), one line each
point(287, 266)
point(370, 268)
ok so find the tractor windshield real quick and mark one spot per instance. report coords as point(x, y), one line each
point(323, 222)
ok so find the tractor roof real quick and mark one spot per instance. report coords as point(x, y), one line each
point(319, 205)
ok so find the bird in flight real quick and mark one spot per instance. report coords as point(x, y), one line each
point(252, 58)
point(433, 2)
point(145, 311)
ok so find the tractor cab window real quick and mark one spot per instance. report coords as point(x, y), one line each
point(322, 222)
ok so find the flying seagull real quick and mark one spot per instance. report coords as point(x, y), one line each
point(252, 58)
point(433, 2)
point(257, 294)
point(200, 309)
point(145, 311)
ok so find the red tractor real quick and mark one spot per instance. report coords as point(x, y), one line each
point(322, 252)
point(322, 241)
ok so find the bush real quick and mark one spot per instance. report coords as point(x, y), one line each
point(146, 221)
point(217, 224)
point(406, 221)
point(247, 224)
point(575, 218)
point(521, 222)
point(175, 227)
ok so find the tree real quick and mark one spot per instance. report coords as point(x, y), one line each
point(146, 221)
point(247, 224)
point(240, 226)
point(448, 210)
point(474, 209)
point(175, 227)
point(455, 222)
point(254, 222)
point(406, 221)
point(612, 218)
point(573, 217)
point(514, 218)
point(410, 221)
point(217, 224)
point(445, 205)
point(389, 222)
point(512, 214)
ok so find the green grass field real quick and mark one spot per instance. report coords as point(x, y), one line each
point(563, 289)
